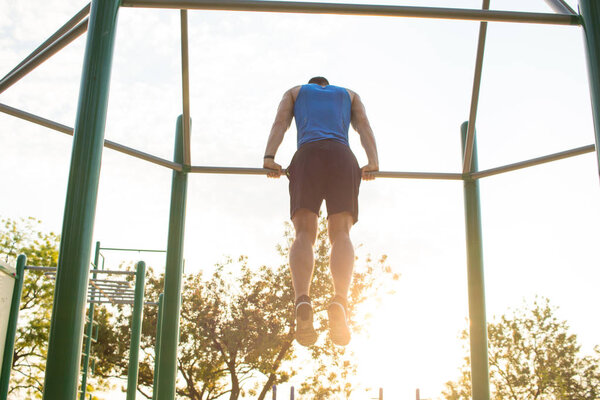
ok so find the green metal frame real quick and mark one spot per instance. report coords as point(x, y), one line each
point(11, 331)
point(67, 318)
point(136, 330)
point(157, 347)
point(475, 277)
point(173, 276)
point(89, 332)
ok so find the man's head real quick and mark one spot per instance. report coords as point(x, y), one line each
point(319, 80)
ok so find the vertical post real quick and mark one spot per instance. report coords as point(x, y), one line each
point(590, 13)
point(157, 346)
point(274, 392)
point(477, 319)
point(137, 317)
point(70, 295)
point(173, 276)
point(11, 330)
point(380, 393)
point(418, 394)
point(90, 330)
point(292, 393)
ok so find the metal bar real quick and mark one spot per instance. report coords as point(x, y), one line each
point(136, 331)
point(173, 275)
point(418, 175)
point(358, 9)
point(90, 329)
point(138, 250)
point(560, 7)
point(590, 12)
point(11, 329)
point(51, 50)
point(467, 157)
point(157, 346)
point(31, 268)
point(107, 143)
point(534, 161)
point(185, 83)
point(379, 174)
point(114, 272)
point(476, 284)
point(63, 29)
point(70, 295)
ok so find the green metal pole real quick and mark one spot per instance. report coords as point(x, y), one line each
point(173, 276)
point(90, 331)
point(11, 331)
point(477, 319)
point(590, 13)
point(157, 346)
point(70, 295)
point(136, 330)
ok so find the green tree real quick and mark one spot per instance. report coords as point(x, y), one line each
point(24, 236)
point(533, 356)
point(237, 328)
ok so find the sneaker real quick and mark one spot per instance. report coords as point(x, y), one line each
point(338, 321)
point(305, 332)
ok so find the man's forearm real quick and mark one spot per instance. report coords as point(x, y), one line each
point(275, 139)
point(367, 139)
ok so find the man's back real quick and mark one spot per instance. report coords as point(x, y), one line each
point(322, 112)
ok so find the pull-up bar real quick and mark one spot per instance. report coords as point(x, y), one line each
point(359, 9)
point(261, 171)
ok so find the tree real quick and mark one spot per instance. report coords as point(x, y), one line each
point(24, 236)
point(237, 328)
point(533, 356)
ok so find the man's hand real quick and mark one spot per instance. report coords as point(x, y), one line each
point(269, 163)
point(367, 171)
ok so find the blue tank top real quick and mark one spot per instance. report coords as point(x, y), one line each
point(322, 113)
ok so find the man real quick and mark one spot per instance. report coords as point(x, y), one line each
point(323, 168)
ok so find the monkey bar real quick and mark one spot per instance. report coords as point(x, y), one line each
point(72, 278)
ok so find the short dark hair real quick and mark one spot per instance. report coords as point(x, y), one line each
point(319, 80)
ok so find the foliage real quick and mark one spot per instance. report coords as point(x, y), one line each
point(237, 329)
point(29, 360)
point(24, 236)
point(532, 356)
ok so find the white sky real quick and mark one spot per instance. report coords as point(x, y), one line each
point(415, 77)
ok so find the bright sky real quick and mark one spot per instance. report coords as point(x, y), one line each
point(415, 77)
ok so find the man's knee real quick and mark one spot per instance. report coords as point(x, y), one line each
point(339, 225)
point(306, 224)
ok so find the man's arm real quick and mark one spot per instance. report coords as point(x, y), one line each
point(283, 119)
point(360, 123)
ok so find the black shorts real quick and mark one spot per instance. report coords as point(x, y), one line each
point(324, 170)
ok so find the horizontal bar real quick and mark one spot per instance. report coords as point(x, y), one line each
point(534, 161)
point(110, 281)
point(147, 303)
point(379, 174)
point(38, 59)
point(418, 175)
point(50, 269)
point(69, 131)
point(61, 31)
point(108, 271)
point(358, 9)
point(138, 250)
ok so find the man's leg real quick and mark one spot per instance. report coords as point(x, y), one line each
point(301, 266)
point(341, 260)
point(301, 253)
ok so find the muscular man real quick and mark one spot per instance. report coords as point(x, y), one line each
point(323, 168)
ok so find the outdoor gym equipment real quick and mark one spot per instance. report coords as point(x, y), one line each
point(72, 278)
